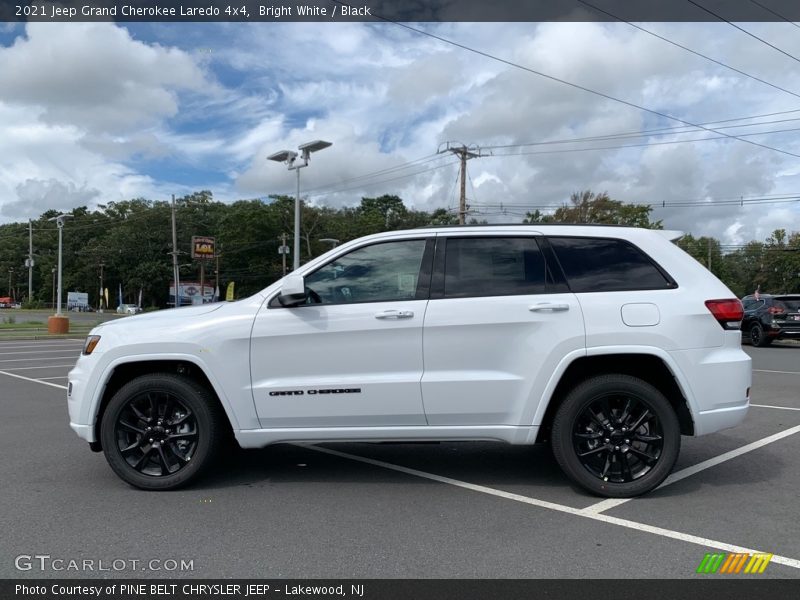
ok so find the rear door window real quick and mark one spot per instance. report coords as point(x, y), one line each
point(493, 266)
point(607, 265)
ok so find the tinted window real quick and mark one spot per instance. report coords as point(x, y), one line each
point(493, 267)
point(377, 273)
point(606, 265)
point(788, 303)
point(752, 304)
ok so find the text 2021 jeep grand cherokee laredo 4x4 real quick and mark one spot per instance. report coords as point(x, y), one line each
point(609, 342)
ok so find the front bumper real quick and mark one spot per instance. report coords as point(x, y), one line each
point(79, 399)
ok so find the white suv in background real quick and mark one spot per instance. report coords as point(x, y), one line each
point(608, 342)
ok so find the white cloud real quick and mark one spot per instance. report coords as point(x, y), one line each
point(94, 107)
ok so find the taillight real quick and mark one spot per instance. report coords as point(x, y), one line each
point(728, 313)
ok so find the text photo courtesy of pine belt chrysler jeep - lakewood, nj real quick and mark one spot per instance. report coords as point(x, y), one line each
point(609, 343)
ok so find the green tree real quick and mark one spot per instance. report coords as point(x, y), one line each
point(587, 207)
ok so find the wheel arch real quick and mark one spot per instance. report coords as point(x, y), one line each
point(121, 372)
point(634, 363)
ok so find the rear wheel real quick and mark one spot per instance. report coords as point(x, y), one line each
point(616, 436)
point(161, 431)
point(758, 337)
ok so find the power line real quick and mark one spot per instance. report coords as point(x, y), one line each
point(780, 16)
point(643, 144)
point(720, 63)
point(743, 30)
point(580, 87)
point(645, 133)
point(664, 204)
point(358, 187)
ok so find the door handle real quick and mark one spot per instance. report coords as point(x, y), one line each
point(395, 314)
point(548, 307)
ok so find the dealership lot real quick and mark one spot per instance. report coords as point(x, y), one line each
point(391, 510)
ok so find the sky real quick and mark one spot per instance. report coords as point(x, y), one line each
point(99, 112)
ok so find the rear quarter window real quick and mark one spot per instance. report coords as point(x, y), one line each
point(607, 265)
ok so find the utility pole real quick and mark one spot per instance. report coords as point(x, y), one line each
point(216, 277)
point(284, 249)
point(30, 260)
point(175, 269)
point(464, 153)
point(100, 302)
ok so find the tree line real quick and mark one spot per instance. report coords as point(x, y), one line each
point(132, 240)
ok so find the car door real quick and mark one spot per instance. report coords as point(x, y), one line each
point(499, 322)
point(352, 355)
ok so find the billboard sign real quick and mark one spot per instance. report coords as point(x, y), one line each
point(190, 293)
point(77, 300)
point(203, 247)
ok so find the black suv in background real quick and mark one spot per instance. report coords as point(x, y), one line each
point(768, 318)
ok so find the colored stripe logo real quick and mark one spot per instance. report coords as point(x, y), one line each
point(734, 563)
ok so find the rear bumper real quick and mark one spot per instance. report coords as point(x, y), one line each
point(719, 381)
point(783, 333)
point(721, 418)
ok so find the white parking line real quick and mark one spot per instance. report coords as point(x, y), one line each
point(44, 367)
point(778, 407)
point(55, 385)
point(701, 466)
point(668, 533)
point(66, 344)
point(46, 378)
point(784, 372)
point(5, 360)
point(37, 352)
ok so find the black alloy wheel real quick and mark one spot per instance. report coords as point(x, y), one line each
point(616, 436)
point(160, 431)
point(757, 336)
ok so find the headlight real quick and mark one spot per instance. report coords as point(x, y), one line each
point(90, 344)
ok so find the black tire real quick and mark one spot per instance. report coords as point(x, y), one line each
point(616, 436)
point(186, 424)
point(758, 337)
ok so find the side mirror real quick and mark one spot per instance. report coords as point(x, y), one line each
point(293, 291)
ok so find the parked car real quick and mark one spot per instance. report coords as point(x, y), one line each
point(128, 309)
point(607, 342)
point(768, 318)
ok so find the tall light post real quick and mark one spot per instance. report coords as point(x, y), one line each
point(100, 301)
point(53, 302)
point(10, 273)
point(290, 158)
point(60, 219)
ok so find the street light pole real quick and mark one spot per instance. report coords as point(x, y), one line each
point(60, 223)
point(100, 302)
point(296, 257)
point(290, 158)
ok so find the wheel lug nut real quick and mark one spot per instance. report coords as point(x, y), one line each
point(151, 440)
point(627, 441)
point(607, 440)
point(624, 429)
point(616, 447)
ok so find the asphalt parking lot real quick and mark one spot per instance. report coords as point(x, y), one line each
point(451, 510)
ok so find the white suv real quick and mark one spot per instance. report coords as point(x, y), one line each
point(608, 342)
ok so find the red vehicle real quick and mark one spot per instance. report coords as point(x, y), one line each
point(6, 302)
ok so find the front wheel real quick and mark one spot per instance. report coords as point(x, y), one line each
point(616, 436)
point(160, 431)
